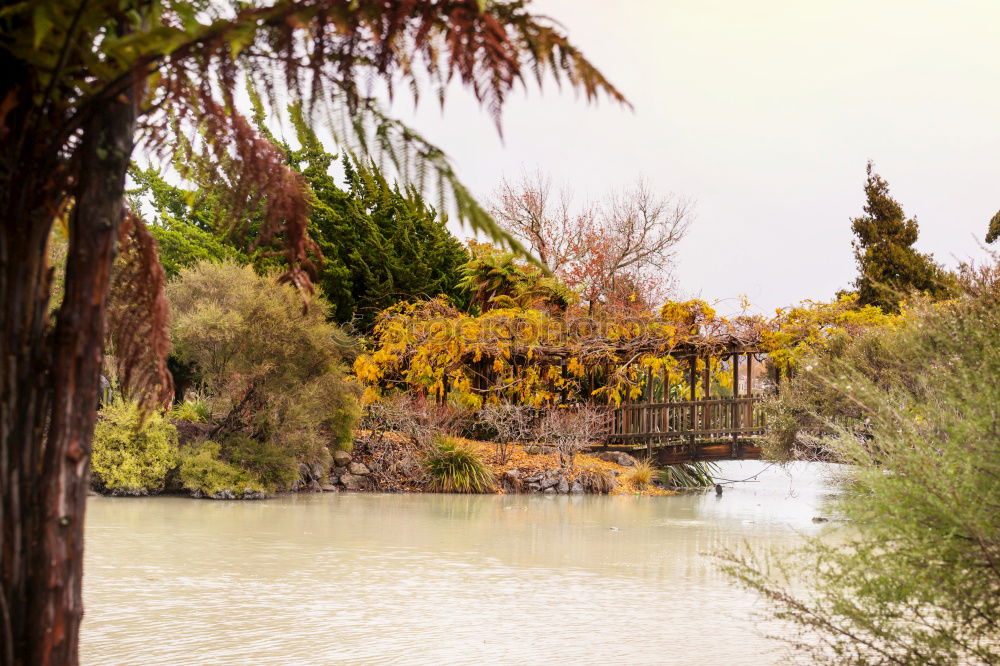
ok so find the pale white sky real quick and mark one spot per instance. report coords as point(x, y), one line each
point(764, 112)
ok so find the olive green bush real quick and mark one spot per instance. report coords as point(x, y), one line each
point(203, 472)
point(271, 368)
point(274, 466)
point(132, 455)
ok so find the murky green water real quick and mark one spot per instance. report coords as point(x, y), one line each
point(318, 579)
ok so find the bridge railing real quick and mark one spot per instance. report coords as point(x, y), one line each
point(700, 419)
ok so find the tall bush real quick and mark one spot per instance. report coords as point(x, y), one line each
point(271, 369)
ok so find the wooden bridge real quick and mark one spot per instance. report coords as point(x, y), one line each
point(683, 431)
point(699, 428)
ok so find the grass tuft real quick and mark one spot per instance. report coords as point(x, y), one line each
point(454, 468)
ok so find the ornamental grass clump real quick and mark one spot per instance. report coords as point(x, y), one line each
point(689, 476)
point(454, 468)
point(641, 474)
point(196, 411)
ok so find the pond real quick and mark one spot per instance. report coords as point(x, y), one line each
point(373, 578)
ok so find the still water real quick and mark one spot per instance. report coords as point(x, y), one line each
point(360, 578)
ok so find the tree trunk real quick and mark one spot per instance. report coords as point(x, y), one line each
point(49, 379)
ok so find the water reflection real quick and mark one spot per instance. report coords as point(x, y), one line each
point(434, 578)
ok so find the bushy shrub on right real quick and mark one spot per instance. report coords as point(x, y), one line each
point(203, 472)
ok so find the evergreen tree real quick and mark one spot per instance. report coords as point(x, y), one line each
point(181, 224)
point(380, 245)
point(889, 267)
point(994, 231)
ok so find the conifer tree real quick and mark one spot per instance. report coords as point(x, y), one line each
point(889, 267)
point(994, 231)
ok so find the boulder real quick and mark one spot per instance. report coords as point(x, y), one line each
point(341, 458)
point(537, 449)
point(617, 457)
point(358, 469)
point(318, 470)
point(563, 486)
point(351, 482)
point(576, 488)
point(329, 488)
point(547, 483)
point(315, 486)
point(549, 491)
point(305, 472)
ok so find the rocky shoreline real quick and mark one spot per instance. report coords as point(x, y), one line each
point(597, 473)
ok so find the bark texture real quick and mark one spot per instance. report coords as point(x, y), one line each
point(50, 365)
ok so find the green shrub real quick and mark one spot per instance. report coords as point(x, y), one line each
point(273, 466)
point(194, 412)
point(454, 468)
point(687, 476)
point(204, 473)
point(132, 456)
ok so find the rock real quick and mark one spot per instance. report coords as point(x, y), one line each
point(548, 483)
point(534, 478)
point(318, 470)
point(315, 486)
point(576, 488)
point(563, 486)
point(358, 469)
point(617, 457)
point(536, 449)
point(328, 488)
point(533, 488)
point(341, 458)
point(549, 491)
point(305, 472)
point(375, 467)
point(350, 481)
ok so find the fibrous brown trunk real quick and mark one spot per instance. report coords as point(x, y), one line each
point(49, 376)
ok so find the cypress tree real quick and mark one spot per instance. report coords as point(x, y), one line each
point(889, 267)
point(994, 231)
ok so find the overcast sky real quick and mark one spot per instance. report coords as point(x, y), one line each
point(764, 113)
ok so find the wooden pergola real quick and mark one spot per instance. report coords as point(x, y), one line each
point(697, 426)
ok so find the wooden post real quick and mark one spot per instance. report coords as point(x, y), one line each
point(706, 394)
point(735, 411)
point(694, 409)
point(749, 390)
